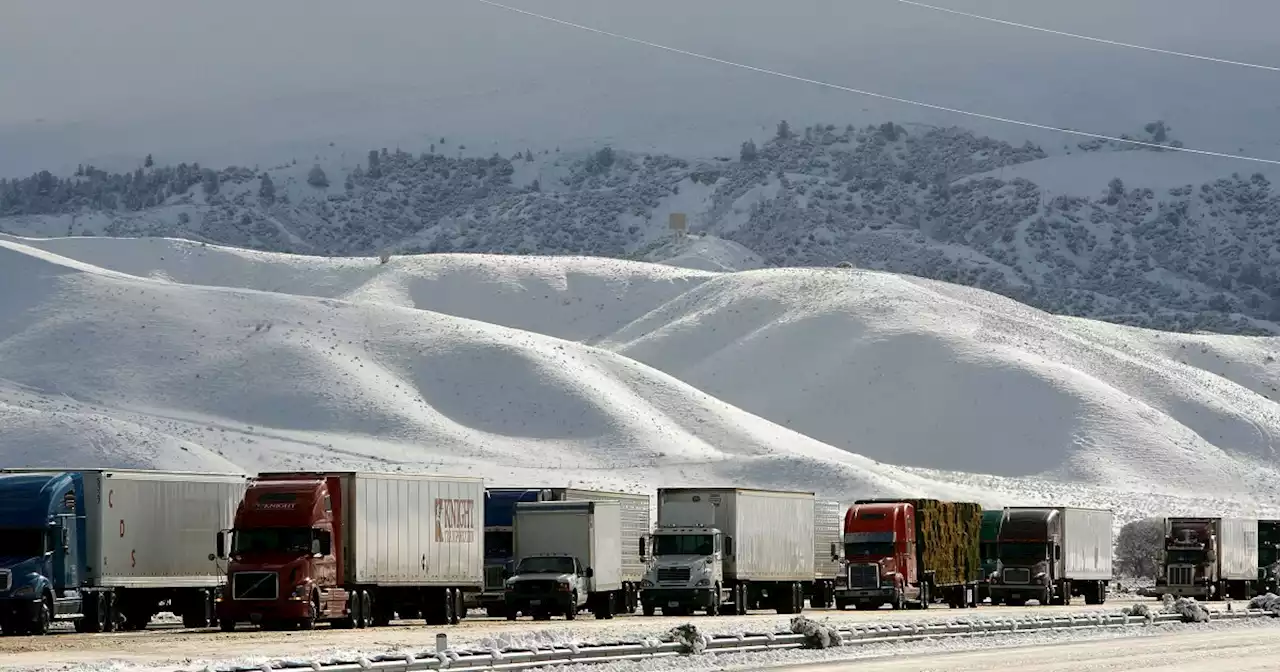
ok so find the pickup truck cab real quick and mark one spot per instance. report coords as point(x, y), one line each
point(546, 586)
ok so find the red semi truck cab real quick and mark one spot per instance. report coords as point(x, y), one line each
point(284, 567)
point(880, 552)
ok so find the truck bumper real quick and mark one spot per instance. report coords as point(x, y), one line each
point(698, 598)
point(1198, 592)
point(20, 610)
point(1006, 593)
point(876, 596)
point(491, 599)
point(263, 611)
point(559, 603)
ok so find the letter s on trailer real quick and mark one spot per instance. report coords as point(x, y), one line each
point(353, 548)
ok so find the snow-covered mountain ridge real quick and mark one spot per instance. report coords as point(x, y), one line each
point(162, 352)
point(1137, 237)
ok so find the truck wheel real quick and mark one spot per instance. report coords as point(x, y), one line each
point(227, 626)
point(43, 617)
point(648, 609)
point(841, 604)
point(571, 612)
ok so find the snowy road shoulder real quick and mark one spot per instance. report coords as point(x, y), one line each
point(937, 654)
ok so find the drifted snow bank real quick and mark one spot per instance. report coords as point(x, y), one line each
point(816, 635)
point(1269, 602)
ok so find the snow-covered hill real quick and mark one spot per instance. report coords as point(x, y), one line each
point(1137, 237)
point(210, 353)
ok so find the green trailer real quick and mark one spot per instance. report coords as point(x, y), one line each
point(1269, 556)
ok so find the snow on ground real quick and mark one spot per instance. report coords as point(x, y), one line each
point(968, 391)
point(867, 653)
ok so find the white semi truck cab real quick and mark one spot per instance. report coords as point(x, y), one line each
point(686, 571)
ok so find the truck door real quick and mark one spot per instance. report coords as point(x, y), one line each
point(907, 549)
point(64, 544)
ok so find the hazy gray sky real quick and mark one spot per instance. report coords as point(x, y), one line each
point(234, 80)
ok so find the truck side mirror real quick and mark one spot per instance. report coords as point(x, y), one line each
point(728, 546)
point(65, 537)
point(590, 572)
point(835, 551)
point(1057, 552)
point(315, 547)
point(326, 544)
point(642, 548)
point(506, 573)
point(221, 550)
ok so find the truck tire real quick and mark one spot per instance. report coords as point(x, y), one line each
point(841, 604)
point(43, 617)
point(227, 626)
point(648, 609)
point(740, 599)
point(571, 612)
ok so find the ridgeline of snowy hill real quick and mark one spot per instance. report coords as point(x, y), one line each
point(1140, 237)
point(114, 369)
point(287, 361)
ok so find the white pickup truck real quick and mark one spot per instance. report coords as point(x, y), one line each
point(568, 557)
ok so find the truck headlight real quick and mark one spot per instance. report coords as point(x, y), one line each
point(25, 591)
point(646, 583)
point(301, 592)
point(704, 582)
point(563, 587)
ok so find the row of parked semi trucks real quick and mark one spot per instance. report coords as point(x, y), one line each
point(109, 549)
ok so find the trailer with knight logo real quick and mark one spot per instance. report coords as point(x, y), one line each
point(355, 549)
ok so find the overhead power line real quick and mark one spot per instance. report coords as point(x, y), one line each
point(1062, 33)
point(872, 94)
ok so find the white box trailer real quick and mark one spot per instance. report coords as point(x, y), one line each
point(637, 522)
point(413, 530)
point(381, 544)
point(148, 540)
point(828, 526)
point(1238, 549)
point(765, 539)
point(1087, 544)
point(590, 531)
point(575, 543)
point(768, 534)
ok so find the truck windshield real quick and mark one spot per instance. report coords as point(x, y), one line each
point(545, 566)
point(22, 543)
point(272, 539)
point(683, 544)
point(1023, 553)
point(1184, 557)
point(497, 544)
point(872, 548)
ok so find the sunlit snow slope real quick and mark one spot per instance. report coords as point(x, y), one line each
point(262, 366)
point(207, 377)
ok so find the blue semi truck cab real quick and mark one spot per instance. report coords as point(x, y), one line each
point(499, 522)
point(42, 523)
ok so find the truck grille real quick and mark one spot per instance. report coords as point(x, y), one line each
point(864, 576)
point(534, 587)
point(673, 575)
point(493, 577)
point(1181, 576)
point(1017, 575)
point(255, 586)
point(4, 580)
